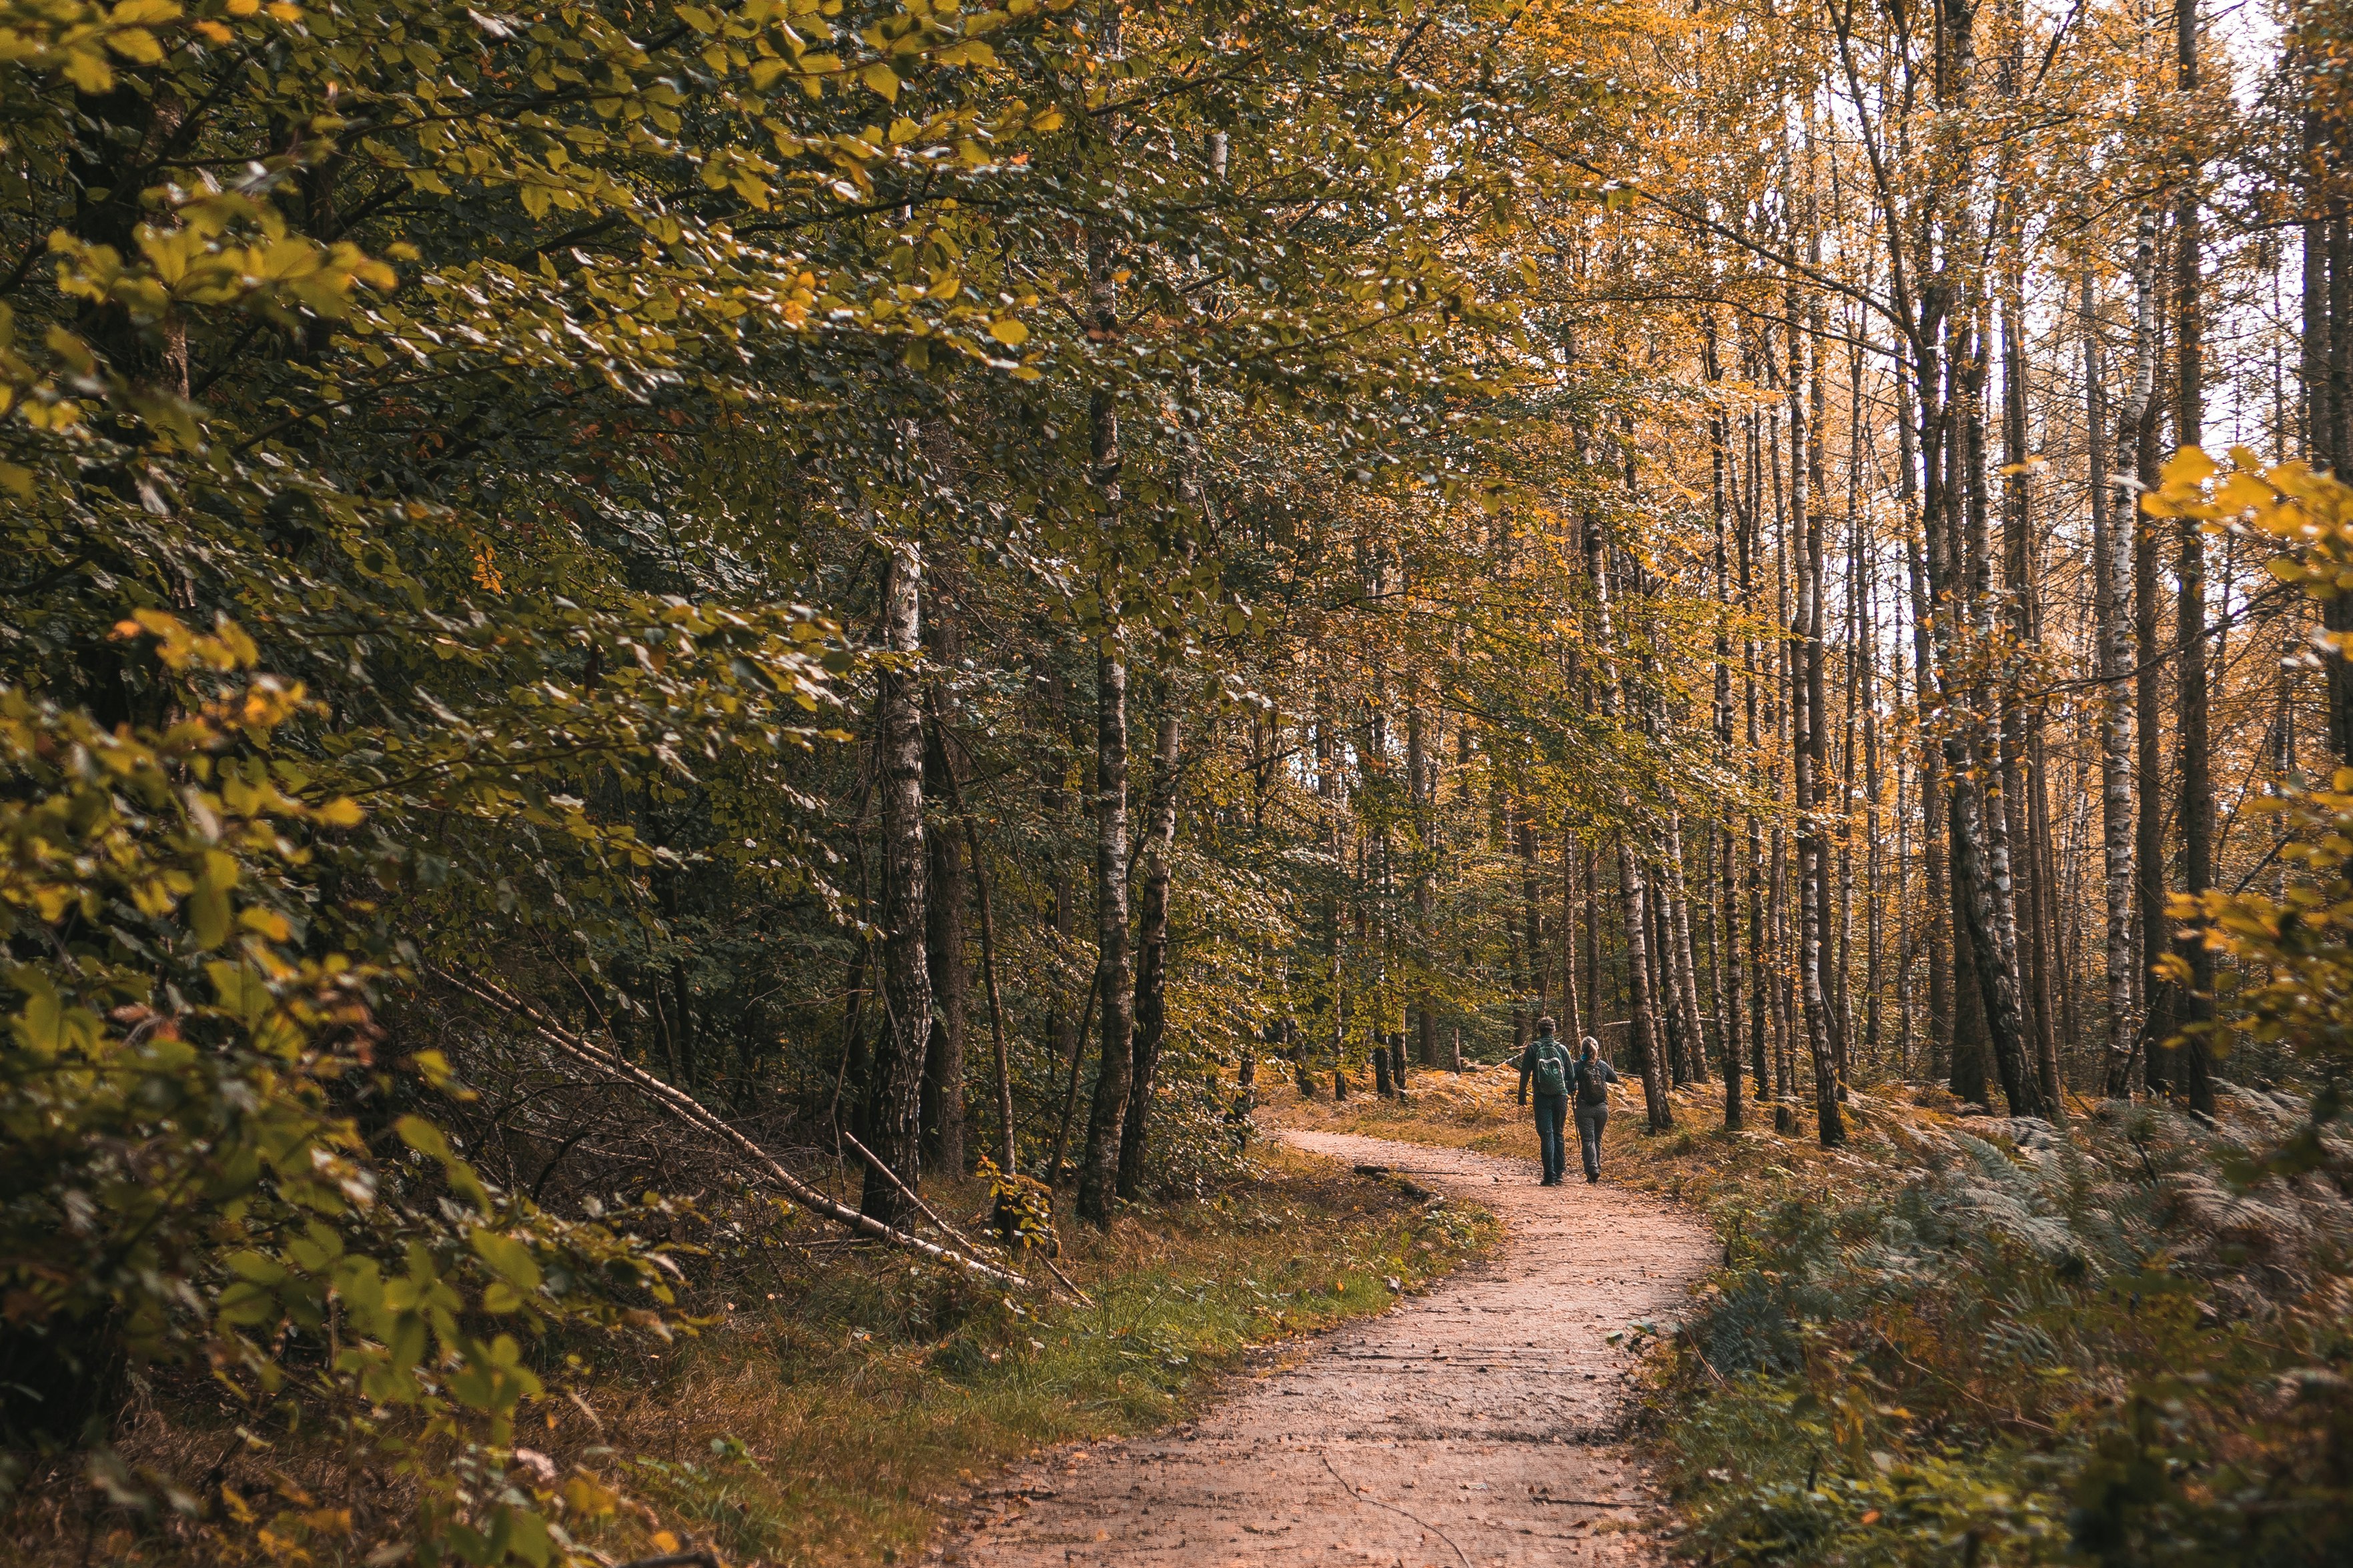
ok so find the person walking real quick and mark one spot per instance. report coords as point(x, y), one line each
point(1591, 1078)
point(1547, 1062)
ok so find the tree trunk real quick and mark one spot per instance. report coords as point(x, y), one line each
point(1572, 1022)
point(1760, 979)
point(1106, 1116)
point(1419, 768)
point(1724, 910)
point(1533, 978)
point(2148, 826)
point(1988, 862)
point(2194, 1007)
point(1809, 747)
point(1944, 1020)
point(2021, 723)
point(1972, 1052)
point(1006, 1159)
point(2111, 592)
point(894, 1116)
point(945, 955)
point(1642, 1035)
point(1151, 949)
point(1873, 910)
point(1780, 666)
point(1115, 996)
point(1668, 1007)
point(1682, 968)
point(2326, 328)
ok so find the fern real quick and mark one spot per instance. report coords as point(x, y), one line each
point(2096, 1346)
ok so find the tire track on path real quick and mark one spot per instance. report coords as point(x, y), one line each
point(1474, 1426)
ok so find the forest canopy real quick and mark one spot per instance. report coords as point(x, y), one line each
point(623, 601)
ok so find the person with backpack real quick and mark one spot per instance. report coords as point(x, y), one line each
point(1547, 1062)
point(1592, 1077)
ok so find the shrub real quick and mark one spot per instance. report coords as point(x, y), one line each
point(205, 1168)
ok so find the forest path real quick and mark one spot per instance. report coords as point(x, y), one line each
point(1469, 1427)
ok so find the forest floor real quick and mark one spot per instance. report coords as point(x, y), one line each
point(1475, 1426)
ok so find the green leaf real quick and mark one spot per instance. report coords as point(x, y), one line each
point(509, 1259)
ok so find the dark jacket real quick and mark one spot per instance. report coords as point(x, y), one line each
point(1578, 1072)
point(1528, 1062)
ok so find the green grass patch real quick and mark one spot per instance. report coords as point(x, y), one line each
point(835, 1423)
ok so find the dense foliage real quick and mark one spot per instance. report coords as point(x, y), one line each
point(454, 461)
point(628, 598)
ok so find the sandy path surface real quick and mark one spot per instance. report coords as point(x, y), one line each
point(1469, 1427)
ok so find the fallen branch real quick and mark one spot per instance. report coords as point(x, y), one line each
point(1085, 1299)
point(695, 1114)
point(906, 1192)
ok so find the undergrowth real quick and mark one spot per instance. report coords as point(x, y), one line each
point(830, 1403)
point(2002, 1346)
point(1966, 1340)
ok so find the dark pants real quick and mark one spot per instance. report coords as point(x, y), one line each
point(1590, 1121)
point(1552, 1115)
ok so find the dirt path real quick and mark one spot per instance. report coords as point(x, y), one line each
point(1466, 1429)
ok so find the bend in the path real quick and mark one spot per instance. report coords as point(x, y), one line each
point(1469, 1427)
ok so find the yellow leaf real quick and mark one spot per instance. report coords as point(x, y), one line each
point(2187, 466)
point(2242, 493)
point(265, 922)
point(583, 1494)
point(882, 80)
point(1009, 331)
point(135, 44)
point(88, 70)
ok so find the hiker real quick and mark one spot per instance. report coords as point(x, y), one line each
point(1592, 1077)
point(1546, 1060)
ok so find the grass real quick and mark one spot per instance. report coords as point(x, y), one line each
point(836, 1404)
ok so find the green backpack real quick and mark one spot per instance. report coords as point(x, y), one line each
point(1552, 1067)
